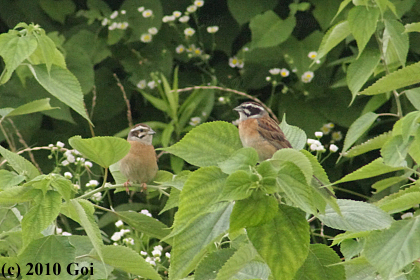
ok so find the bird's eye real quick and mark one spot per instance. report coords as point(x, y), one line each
point(141, 130)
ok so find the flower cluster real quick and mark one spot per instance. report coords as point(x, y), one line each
point(335, 135)
point(316, 146)
point(155, 255)
point(236, 62)
point(143, 84)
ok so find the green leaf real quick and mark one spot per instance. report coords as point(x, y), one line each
point(356, 216)
point(59, 9)
point(391, 250)
point(189, 245)
point(126, 259)
point(292, 182)
point(62, 84)
point(360, 70)
point(283, 243)
point(210, 265)
point(372, 169)
point(333, 37)
point(18, 194)
point(400, 201)
point(297, 158)
point(9, 179)
point(269, 30)
point(360, 268)
point(244, 10)
point(256, 210)
point(413, 96)
point(40, 216)
point(343, 5)
point(48, 251)
point(394, 42)
point(403, 77)
point(241, 159)
point(207, 144)
point(64, 186)
point(351, 248)
point(157, 102)
point(370, 145)
point(199, 194)
point(102, 150)
point(295, 135)
point(14, 49)
point(144, 224)
point(21, 165)
point(362, 23)
point(31, 107)
point(238, 186)
point(412, 27)
point(245, 254)
point(358, 128)
point(319, 265)
point(394, 152)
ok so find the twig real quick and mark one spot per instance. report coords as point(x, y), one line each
point(233, 91)
point(8, 140)
point(22, 141)
point(127, 102)
point(93, 102)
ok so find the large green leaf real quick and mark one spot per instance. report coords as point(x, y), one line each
point(395, 42)
point(21, 165)
point(358, 128)
point(62, 84)
point(58, 10)
point(102, 150)
point(28, 108)
point(210, 265)
point(362, 22)
point(18, 194)
point(269, 30)
point(400, 201)
point(9, 179)
point(333, 37)
point(319, 265)
point(356, 216)
point(243, 10)
point(239, 185)
point(207, 144)
point(48, 251)
point(394, 151)
point(414, 96)
point(371, 144)
point(199, 196)
point(391, 250)
point(283, 242)
point(128, 260)
point(41, 215)
point(14, 49)
point(241, 159)
point(403, 77)
point(189, 245)
point(295, 135)
point(297, 158)
point(245, 254)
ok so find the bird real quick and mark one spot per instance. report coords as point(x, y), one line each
point(259, 131)
point(140, 164)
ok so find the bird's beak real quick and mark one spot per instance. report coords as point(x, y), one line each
point(238, 109)
point(151, 131)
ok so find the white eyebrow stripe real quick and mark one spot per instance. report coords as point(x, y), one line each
point(254, 106)
point(139, 127)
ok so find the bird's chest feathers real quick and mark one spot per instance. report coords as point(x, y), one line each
point(249, 134)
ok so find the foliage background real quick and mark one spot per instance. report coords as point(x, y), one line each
point(114, 65)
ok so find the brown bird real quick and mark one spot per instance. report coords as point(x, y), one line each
point(259, 131)
point(140, 164)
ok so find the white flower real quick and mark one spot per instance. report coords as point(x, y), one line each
point(97, 196)
point(116, 236)
point(142, 84)
point(104, 21)
point(123, 12)
point(233, 62)
point(168, 255)
point(146, 38)
point(71, 159)
point(60, 144)
point(192, 8)
point(184, 19)
point(156, 253)
point(407, 215)
point(199, 3)
point(189, 31)
point(50, 146)
point(333, 148)
point(80, 159)
point(326, 128)
point(65, 233)
point(140, 9)
point(58, 230)
point(112, 26)
point(92, 183)
point(168, 18)
point(113, 15)
point(313, 147)
point(68, 175)
point(212, 29)
point(123, 25)
point(128, 240)
point(146, 212)
point(124, 231)
point(222, 99)
point(119, 223)
point(268, 78)
point(177, 14)
point(319, 134)
point(313, 141)
point(312, 55)
point(88, 164)
point(151, 84)
point(158, 248)
point(147, 13)
point(307, 76)
point(77, 187)
point(274, 71)
point(149, 260)
point(284, 72)
point(294, 70)
point(152, 30)
point(336, 136)
point(65, 162)
point(320, 148)
point(143, 253)
point(195, 121)
point(180, 49)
